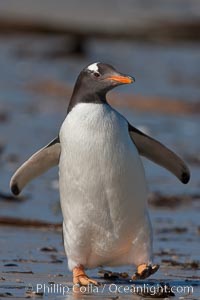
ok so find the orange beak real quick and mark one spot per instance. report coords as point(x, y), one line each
point(122, 79)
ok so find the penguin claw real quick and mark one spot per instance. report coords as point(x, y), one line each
point(80, 278)
point(144, 271)
point(85, 280)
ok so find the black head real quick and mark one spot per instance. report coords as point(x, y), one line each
point(95, 81)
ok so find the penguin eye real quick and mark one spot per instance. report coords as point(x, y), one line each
point(96, 74)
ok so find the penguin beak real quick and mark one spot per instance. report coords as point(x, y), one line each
point(121, 79)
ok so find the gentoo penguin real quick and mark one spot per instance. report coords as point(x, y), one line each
point(103, 189)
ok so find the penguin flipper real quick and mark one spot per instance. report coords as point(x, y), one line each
point(37, 164)
point(159, 154)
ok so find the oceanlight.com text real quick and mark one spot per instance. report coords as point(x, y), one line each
point(151, 290)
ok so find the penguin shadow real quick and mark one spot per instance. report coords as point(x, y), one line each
point(117, 277)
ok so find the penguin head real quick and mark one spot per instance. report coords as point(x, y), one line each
point(100, 78)
point(95, 81)
point(103, 77)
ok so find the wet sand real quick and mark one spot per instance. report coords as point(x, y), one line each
point(33, 259)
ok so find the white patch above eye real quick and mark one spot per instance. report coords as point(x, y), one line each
point(93, 67)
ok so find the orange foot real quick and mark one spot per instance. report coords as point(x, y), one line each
point(80, 278)
point(144, 271)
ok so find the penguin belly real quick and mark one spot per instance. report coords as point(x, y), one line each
point(102, 190)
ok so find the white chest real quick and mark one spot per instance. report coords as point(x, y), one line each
point(93, 124)
point(95, 141)
point(99, 164)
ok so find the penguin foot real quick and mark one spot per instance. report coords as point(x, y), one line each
point(80, 278)
point(144, 271)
